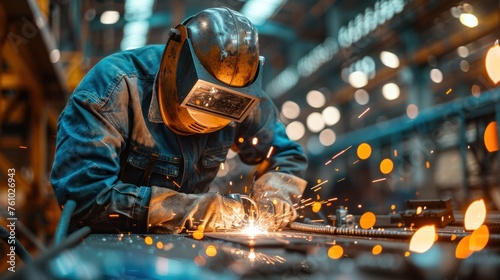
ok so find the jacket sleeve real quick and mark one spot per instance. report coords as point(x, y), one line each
point(87, 164)
point(262, 139)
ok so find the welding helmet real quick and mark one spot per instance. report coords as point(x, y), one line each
point(210, 72)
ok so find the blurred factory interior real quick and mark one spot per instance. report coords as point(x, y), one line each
point(390, 99)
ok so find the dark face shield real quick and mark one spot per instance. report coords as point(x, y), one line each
point(212, 76)
point(198, 90)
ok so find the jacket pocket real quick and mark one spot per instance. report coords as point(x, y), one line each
point(214, 157)
point(163, 165)
point(149, 168)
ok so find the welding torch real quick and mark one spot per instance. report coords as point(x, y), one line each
point(251, 210)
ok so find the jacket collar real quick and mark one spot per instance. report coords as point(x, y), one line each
point(154, 114)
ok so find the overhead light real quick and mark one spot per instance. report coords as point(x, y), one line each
point(358, 79)
point(331, 115)
point(295, 130)
point(290, 110)
point(327, 137)
point(54, 55)
point(315, 99)
point(389, 59)
point(493, 63)
point(436, 75)
point(110, 17)
point(283, 82)
point(412, 111)
point(361, 96)
point(464, 65)
point(258, 11)
point(135, 31)
point(468, 20)
point(390, 91)
point(134, 35)
point(315, 122)
point(463, 51)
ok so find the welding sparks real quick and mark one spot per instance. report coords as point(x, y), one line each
point(253, 256)
point(379, 180)
point(448, 91)
point(270, 152)
point(363, 113)
point(320, 184)
point(341, 152)
point(341, 180)
point(306, 200)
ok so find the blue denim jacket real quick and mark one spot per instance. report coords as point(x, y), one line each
point(112, 145)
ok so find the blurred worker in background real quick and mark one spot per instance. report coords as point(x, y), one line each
point(145, 132)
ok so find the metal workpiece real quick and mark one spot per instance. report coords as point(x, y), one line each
point(276, 255)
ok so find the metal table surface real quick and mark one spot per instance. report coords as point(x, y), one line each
point(287, 254)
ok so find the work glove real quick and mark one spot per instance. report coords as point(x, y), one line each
point(171, 211)
point(275, 194)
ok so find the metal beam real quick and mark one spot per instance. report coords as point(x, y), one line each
point(29, 38)
point(10, 81)
point(27, 51)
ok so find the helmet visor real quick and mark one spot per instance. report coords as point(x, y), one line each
point(198, 90)
point(219, 100)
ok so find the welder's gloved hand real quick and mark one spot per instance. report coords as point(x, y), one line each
point(275, 193)
point(171, 211)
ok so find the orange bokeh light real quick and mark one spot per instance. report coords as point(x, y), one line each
point(463, 251)
point(479, 238)
point(335, 252)
point(316, 207)
point(386, 166)
point(475, 215)
point(367, 220)
point(492, 63)
point(198, 234)
point(491, 137)
point(423, 239)
point(364, 151)
point(377, 249)
point(211, 251)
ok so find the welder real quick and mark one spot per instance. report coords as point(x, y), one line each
point(146, 130)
